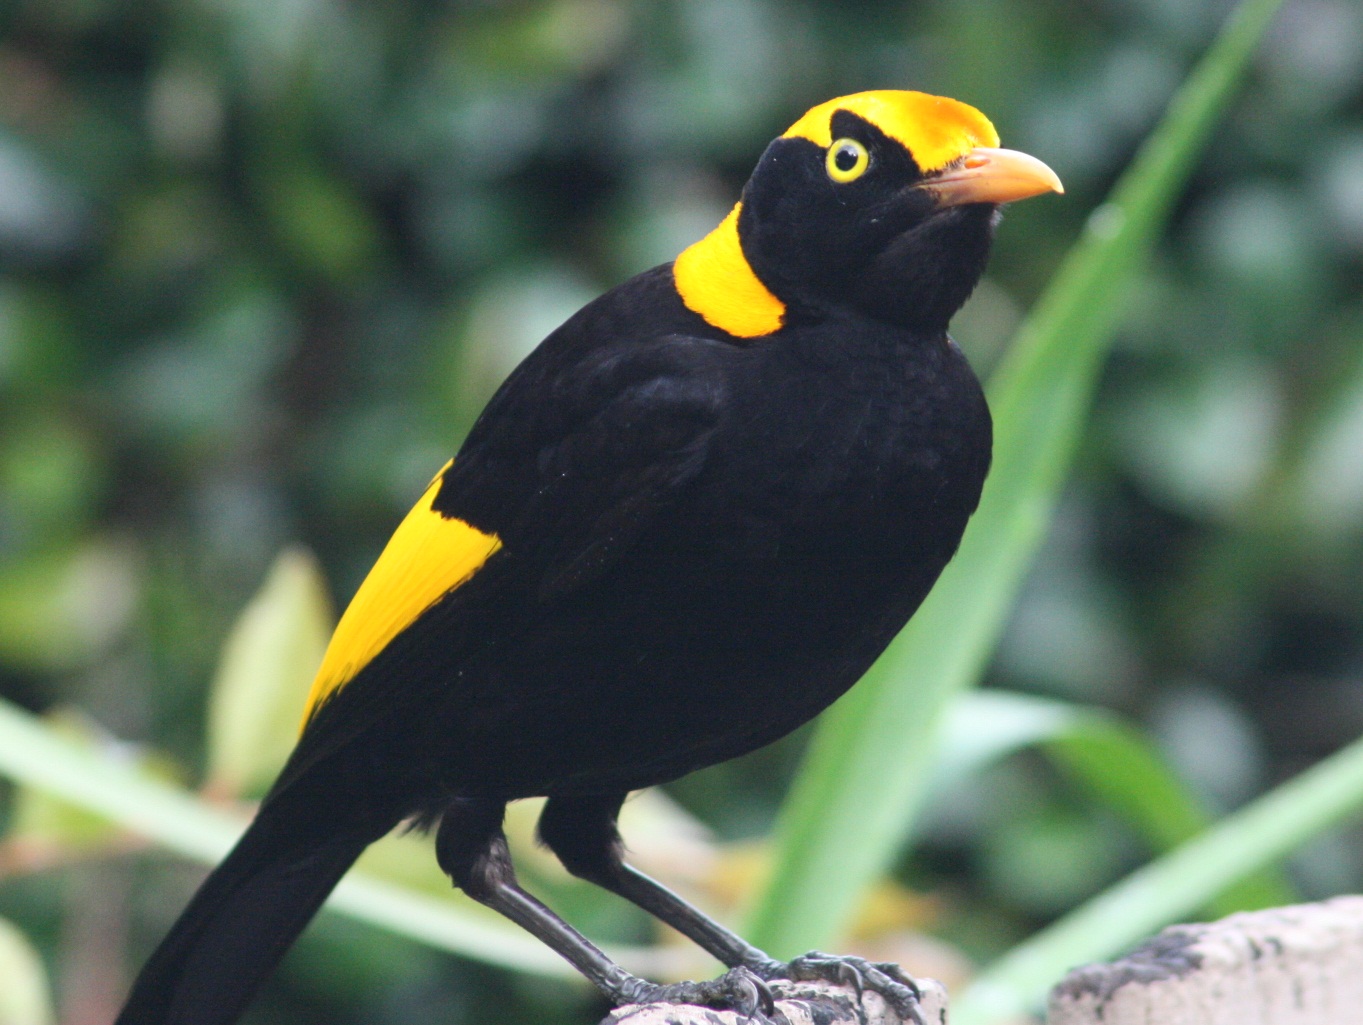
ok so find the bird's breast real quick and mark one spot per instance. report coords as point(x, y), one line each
point(860, 445)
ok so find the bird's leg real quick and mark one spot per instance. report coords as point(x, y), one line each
point(581, 831)
point(471, 848)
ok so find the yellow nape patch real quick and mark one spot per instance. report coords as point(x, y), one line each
point(715, 280)
point(936, 130)
point(427, 557)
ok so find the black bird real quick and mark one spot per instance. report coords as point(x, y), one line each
point(685, 524)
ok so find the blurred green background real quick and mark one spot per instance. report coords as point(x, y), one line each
point(261, 263)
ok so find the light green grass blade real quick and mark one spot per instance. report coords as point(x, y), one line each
point(1102, 756)
point(863, 778)
point(33, 755)
point(1170, 888)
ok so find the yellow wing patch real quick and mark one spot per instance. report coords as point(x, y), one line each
point(715, 280)
point(427, 557)
point(935, 129)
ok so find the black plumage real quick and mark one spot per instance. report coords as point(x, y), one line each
point(707, 532)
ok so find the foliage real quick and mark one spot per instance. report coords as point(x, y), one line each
point(261, 262)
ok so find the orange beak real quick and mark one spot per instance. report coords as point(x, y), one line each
point(992, 176)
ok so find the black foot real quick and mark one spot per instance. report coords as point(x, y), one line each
point(738, 989)
point(856, 973)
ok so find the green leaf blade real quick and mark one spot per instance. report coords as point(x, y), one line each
point(24, 998)
point(1169, 888)
point(863, 778)
point(262, 681)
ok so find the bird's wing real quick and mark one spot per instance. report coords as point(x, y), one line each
point(563, 470)
point(586, 464)
point(428, 556)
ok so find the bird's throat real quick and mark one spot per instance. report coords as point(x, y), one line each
point(716, 281)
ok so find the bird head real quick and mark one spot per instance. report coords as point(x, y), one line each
point(881, 201)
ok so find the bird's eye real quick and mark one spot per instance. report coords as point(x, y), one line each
point(847, 160)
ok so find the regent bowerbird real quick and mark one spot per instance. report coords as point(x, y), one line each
point(683, 526)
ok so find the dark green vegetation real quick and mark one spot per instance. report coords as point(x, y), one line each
point(263, 262)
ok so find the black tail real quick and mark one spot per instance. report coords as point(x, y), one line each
point(244, 917)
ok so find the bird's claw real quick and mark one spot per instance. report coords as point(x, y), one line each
point(739, 989)
point(854, 973)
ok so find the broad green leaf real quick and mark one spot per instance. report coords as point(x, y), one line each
point(262, 682)
point(24, 996)
point(34, 755)
point(1104, 757)
point(853, 802)
point(1169, 888)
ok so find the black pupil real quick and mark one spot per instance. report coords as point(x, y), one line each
point(845, 159)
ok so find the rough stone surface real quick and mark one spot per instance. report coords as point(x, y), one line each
point(802, 1003)
point(1298, 965)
